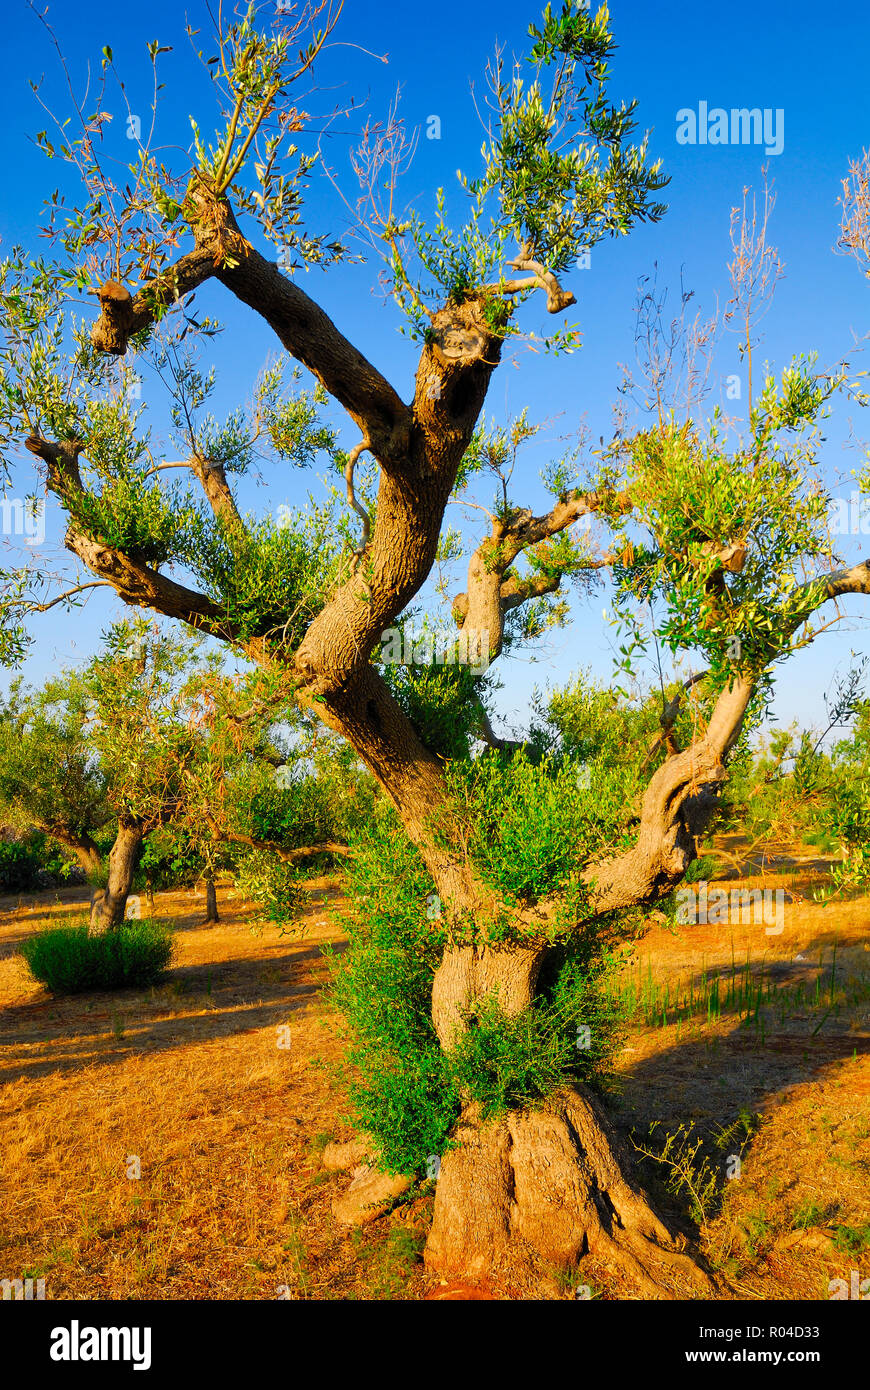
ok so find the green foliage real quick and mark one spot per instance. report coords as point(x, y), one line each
point(559, 174)
point(404, 1089)
point(686, 1171)
point(534, 825)
point(137, 518)
point(68, 960)
point(49, 777)
point(555, 195)
point(302, 810)
point(596, 724)
point(24, 860)
point(700, 869)
point(169, 859)
point(852, 1240)
point(271, 883)
point(270, 579)
point(731, 537)
point(790, 788)
point(571, 1034)
point(441, 701)
point(398, 1085)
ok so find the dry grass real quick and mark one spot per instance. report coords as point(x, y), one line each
point(228, 1126)
point(805, 1174)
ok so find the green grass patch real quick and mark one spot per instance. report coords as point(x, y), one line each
point(852, 1240)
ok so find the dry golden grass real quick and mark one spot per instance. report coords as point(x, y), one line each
point(227, 1126)
point(806, 1172)
point(189, 1078)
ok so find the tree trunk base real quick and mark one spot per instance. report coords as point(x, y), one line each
point(211, 918)
point(549, 1186)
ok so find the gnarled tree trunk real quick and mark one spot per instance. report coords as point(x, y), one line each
point(81, 845)
point(108, 907)
point(544, 1184)
point(547, 1186)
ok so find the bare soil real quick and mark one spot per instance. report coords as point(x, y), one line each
point(221, 1087)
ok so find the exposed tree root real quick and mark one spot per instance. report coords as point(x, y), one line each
point(551, 1183)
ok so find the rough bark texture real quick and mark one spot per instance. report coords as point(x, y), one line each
point(467, 973)
point(550, 1185)
point(545, 1184)
point(108, 907)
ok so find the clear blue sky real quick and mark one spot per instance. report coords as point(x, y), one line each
point(809, 62)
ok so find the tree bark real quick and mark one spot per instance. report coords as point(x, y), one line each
point(548, 1183)
point(543, 1185)
point(467, 973)
point(107, 907)
point(541, 1188)
point(211, 911)
point(81, 845)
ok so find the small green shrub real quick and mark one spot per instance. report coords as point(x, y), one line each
point(852, 1240)
point(685, 1171)
point(69, 960)
point(701, 869)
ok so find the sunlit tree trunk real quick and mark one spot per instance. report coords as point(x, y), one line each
point(109, 905)
point(78, 843)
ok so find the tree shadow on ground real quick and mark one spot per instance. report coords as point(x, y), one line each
point(218, 1000)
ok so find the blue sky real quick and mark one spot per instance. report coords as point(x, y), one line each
point(808, 63)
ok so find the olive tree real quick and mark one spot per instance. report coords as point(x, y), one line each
point(719, 546)
point(49, 779)
point(106, 745)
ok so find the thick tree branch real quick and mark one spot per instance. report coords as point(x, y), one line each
point(288, 856)
point(301, 325)
point(122, 315)
point(213, 479)
point(855, 580)
point(490, 596)
point(677, 805)
point(681, 795)
point(538, 278)
point(452, 379)
point(514, 592)
point(133, 581)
